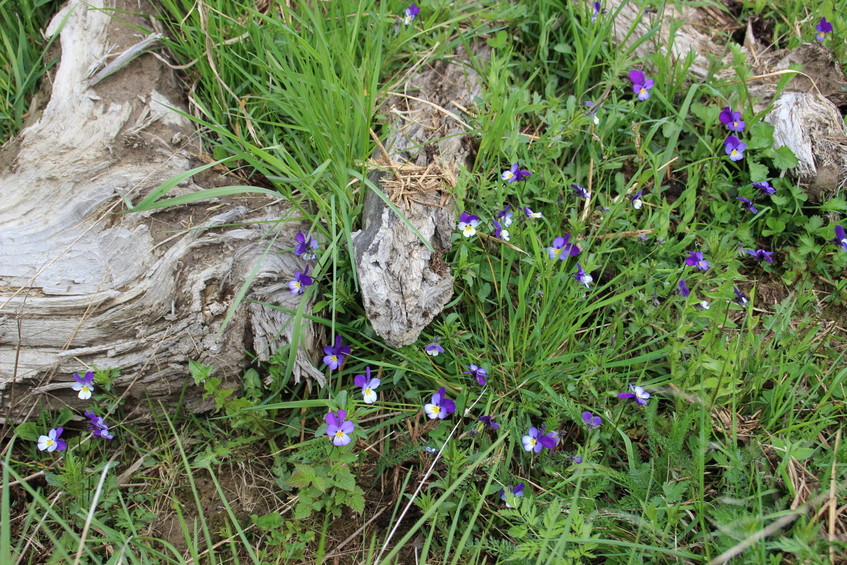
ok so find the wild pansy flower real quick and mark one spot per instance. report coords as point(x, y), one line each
point(478, 373)
point(506, 215)
point(748, 204)
point(591, 421)
point(596, 12)
point(683, 289)
point(641, 85)
point(593, 111)
point(637, 394)
point(368, 385)
point(337, 428)
point(581, 191)
point(582, 277)
point(732, 120)
point(695, 259)
point(514, 174)
point(823, 28)
point(84, 385)
point(97, 425)
point(739, 297)
point(562, 248)
point(761, 254)
point(840, 237)
point(734, 147)
point(533, 215)
point(305, 246)
point(499, 231)
point(468, 224)
point(636, 200)
point(536, 440)
point(433, 349)
point(334, 355)
point(576, 459)
point(439, 406)
point(411, 13)
point(703, 305)
point(765, 187)
point(490, 421)
point(517, 491)
point(301, 280)
point(52, 441)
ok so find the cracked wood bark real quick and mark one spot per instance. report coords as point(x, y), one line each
point(805, 115)
point(404, 285)
point(82, 286)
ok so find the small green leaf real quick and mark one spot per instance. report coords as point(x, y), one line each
point(27, 431)
point(761, 136)
point(199, 372)
point(784, 158)
point(499, 40)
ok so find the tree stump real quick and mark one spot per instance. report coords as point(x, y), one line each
point(82, 286)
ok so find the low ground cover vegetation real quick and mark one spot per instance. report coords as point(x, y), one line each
point(644, 358)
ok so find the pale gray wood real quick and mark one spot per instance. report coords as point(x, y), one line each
point(82, 286)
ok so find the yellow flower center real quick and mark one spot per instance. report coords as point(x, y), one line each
point(339, 434)
point(436, 409)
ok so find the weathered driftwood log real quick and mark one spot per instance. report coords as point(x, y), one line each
point(83, 286)
point(404, 284)
point(805, 115)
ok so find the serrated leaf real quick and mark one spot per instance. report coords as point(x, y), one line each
point(833, 204)
point(28, 431)
point(199, 371)
point(321, 483)
point(303, 509)
point(761, 136)
point(784, 158)
point(346, 481)
point(758, 171)
point(301, 477)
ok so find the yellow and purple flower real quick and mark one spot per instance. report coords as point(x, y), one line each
point(301, 280)
point(52, 441)
point(532, 215)
point(636, 200)
point(305, 247)
point(514, 174)
point(581, 191)
point(536, 440)
point(505, 215)
point(334, 355)
point(582, 277)
point(562, 248)
point(637, 394)
point(761, 254)
point(490, 421)
point(734, 147)
point(468, 224)
point(439, 406)
point(748, 204)
point(641, 85)
point(823, 28)
point(368, 385)
point(695, 259)
point(84, 385)
point(765, 187)
point(478, 373)
point(591, 421)
point(433, 349)
point(739, 297)
point(519, 488)
point(338, 428)
point(840, 237)
point(500, 232)
point(97, 425)
point(732, 120)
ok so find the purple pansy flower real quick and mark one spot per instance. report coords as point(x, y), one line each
point(823, 28)
point(52, 441)
point(683, 289)
point(581, 191)
point(732, 120)
point(576, 459)
point(593, 111)
point(478, 373)
point(97, 425)
point(439, 406)
point(739, 297)
point(468, 224)
point(761, 254)
point(338, 428)
point(301, 280)
point(433, 349)
point(734, 147)
point(505, 215)
point(840, 237)
point(637, 394)
point(514, 174)
point(695, 259)
point(368, 385)
point(703, 305)
point(591, 421)
point(411, 13)
point(596, 11)
point(334, 355)
point(748, 204)
point(562, 248)
point(530, 214)
point(84, 385)
point(499, 231)
point(641, 85)
point(765, 187)
point(490, 421)
point(517, 491)
point(582, 277)
point(305, 246)
point(537, 440)
point(636, 199)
